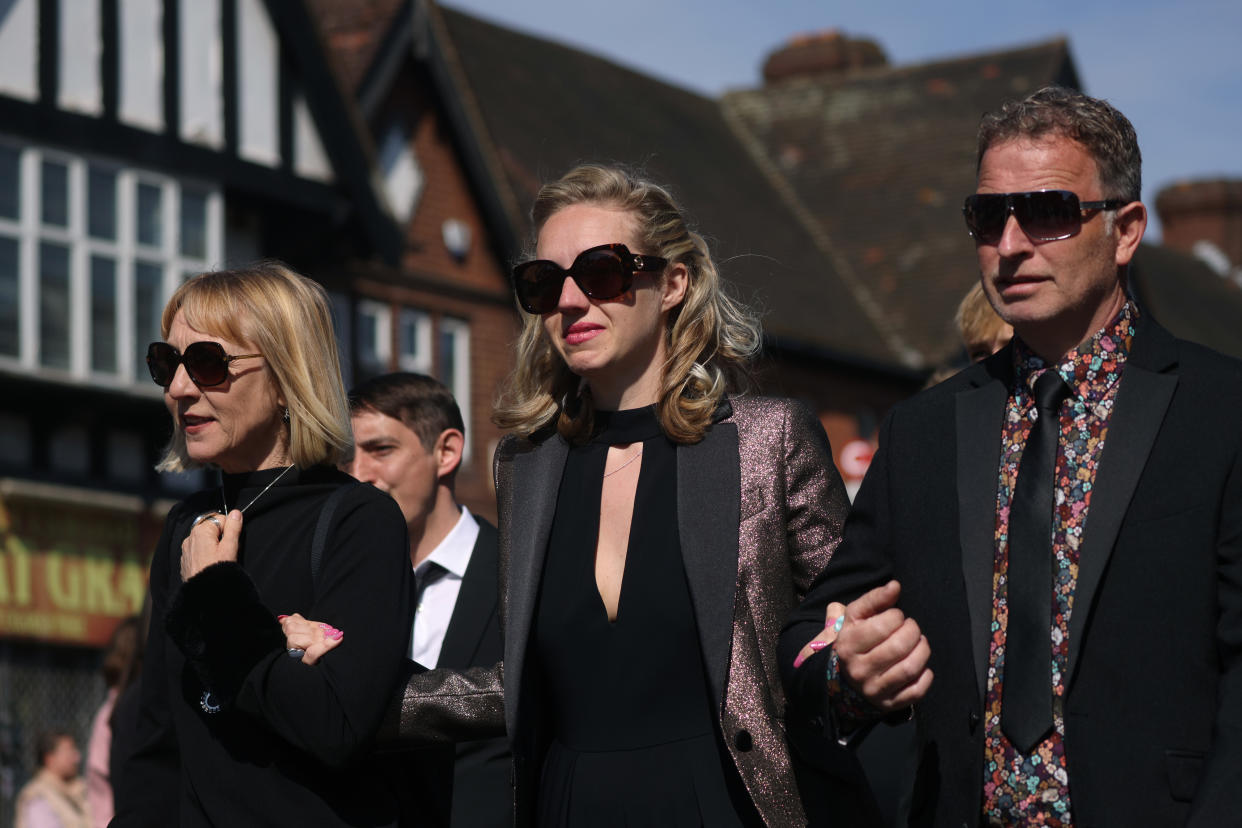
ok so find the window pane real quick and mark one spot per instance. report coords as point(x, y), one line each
point(147, 310)
point(54, 305)
point(409, 336)
point(150, 230)
point(368, 334)
point(101, 204)
point(10, 182)
point(55, 191)
point(10, 328)
point(193, 224)
point(103, 314)
point(448, 359)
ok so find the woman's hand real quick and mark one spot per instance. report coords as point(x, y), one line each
point(832, 627)
point(211, 541)
point(313, 637)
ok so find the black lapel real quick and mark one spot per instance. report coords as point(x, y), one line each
point(1147, 385)
point(476, 603)
point(980, 412)
point(536, 480)
point(708, 505)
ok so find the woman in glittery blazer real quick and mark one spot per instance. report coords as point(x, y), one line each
point(655, 529)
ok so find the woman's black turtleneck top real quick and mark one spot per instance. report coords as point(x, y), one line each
point(289, 743)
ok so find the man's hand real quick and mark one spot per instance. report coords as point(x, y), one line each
point(882, 653)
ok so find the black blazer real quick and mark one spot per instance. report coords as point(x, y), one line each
point(1153, 728)
point(469, 787)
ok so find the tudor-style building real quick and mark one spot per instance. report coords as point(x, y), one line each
point(141, 142)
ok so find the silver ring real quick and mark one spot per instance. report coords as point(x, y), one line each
point(296, 652)
point(211, 518)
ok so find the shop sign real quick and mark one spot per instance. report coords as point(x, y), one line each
point(68, 573)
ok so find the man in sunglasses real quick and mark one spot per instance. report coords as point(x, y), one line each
point(1064, 519)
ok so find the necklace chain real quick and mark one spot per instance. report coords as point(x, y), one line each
point(626, 463)
point(256, 497)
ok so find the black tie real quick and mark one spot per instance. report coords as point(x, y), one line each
point(1026, 708)
point(431, 572)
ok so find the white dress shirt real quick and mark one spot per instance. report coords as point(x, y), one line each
point(442, 571)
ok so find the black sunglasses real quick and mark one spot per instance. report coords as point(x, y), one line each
point(205, 362)
point(603, 272)
point(1044, 215)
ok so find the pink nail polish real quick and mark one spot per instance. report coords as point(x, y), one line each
point(335, 635)
point(818, 645)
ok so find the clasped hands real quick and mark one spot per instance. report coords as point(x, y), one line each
point(882, 654)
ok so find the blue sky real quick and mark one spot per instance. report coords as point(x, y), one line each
point(1173, 67)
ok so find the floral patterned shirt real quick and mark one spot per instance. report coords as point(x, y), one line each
point(1034, 789)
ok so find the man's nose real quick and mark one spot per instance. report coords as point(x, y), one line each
point(361, 468)
point(1013, 240)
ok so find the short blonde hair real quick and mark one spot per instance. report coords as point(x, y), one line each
point(287, 317)
point(978, 324)
point(711, 338)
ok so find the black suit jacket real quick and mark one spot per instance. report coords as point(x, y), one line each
point(1153, 730)
point(470, 786)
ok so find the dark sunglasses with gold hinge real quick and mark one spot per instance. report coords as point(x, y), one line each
point(603, 272)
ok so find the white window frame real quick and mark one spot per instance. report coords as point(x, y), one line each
point(458, 332)
point(381, 312)
point(124, 251)
point(420, 361)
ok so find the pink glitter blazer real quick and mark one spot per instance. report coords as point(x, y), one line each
point(760, 508)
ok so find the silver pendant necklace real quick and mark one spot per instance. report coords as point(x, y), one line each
point(275, 479)
point(211, 517)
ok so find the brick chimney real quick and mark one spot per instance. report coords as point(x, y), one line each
point(821, 53)
point(1204, 218)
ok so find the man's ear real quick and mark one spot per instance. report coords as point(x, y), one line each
point(447, 453)
point(1130, 224)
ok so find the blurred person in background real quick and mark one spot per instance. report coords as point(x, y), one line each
point(980, 327)
point(234, 729)
point(56, 797)
point(118, 667)
point(123, 723)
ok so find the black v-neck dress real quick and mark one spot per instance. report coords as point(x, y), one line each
point(634, 734)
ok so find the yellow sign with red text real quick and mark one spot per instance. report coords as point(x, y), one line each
point(68, 573)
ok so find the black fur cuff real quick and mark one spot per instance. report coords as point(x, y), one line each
point(218, 621)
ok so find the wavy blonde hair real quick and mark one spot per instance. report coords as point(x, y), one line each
point(287, 317)
point(711, 339)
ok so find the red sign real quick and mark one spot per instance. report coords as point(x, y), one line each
point(855, 459)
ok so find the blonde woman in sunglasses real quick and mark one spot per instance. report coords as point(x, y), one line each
point(235, 731)
point(657, 524)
